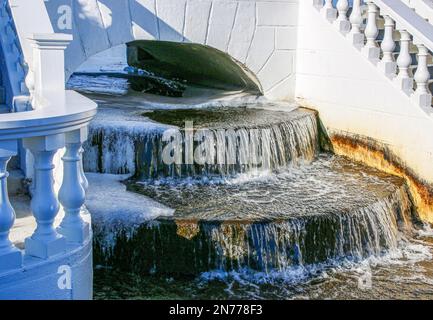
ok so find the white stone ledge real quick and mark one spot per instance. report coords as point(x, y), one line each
point(61, 114)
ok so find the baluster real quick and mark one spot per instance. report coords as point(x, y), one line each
point(371, 48)
point(404, 78)
point(72, 193)
point(83, 177)
point(329, 11)
point(342, 21)
point(422, 76)
point(387, 63)
point(10, 256)
point(356, 21)
point(45, 241)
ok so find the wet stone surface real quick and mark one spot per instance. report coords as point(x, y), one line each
point(329, 209)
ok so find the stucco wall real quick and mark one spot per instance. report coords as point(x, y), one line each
point(261, 34)
point(353, 96)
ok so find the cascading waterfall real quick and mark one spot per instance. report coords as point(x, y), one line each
point(250, 189)
point(191, 247)
point(258, 204)
point(322, 210)
point(237, 147)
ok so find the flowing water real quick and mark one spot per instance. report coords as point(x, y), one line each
point(232, 140)
point(406, 273)
point(260, 211)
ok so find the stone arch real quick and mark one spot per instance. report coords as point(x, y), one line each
point(259, 34)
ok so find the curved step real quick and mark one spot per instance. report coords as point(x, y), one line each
point(241, 138)
point(330, 209)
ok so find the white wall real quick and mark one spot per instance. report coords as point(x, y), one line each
point(259, 33)
point(353, 96)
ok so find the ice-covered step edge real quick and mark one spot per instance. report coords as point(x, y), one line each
point(134, 144)
point(192, 244)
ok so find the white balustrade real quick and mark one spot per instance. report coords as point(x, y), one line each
point(388, 64)
point(371, 48)
point(410, 25)
point(356, 22)
point(404, 78)
point(329, 11)
point(48, 49)
point(422, 76)
point(10, 256)
point(12, 56)
point(45, 241)
point(68, 115)
point(72, 192)
point(342, 21)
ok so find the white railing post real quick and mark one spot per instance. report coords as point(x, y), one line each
point(371, 49)
point(72, 193)
point(49, 65)
point(387, 64)
point(10, 256)
point(422, 95)
point(329, 11)
point(45, 241)
point(342, 21)
point(356, 22)
point(404, 78)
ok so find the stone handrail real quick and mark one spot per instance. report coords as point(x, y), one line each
point(15, 68)
point(407, 19)
point(59, 120)
point(422, 7)
point(402, 24)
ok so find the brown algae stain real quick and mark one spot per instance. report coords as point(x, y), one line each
point(376, 155)
point(187, 229)
point(232, 239)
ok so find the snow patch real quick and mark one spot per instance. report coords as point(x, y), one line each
point(114, 209)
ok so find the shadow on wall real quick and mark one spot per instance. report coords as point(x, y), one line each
point(98, 25)
point(104, 21)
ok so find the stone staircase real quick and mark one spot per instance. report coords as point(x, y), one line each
point(16, 177)
point(392, 35)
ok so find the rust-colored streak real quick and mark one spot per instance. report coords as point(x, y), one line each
point(378, 156)
point(187, 229)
